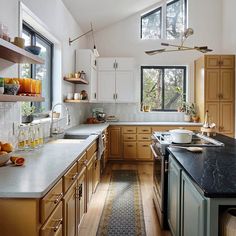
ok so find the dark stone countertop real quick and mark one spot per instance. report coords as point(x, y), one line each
point(214, 170)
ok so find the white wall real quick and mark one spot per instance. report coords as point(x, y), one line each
point(123, 39)
point(61, 25)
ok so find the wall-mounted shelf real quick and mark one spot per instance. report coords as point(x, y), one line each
point(17, 98)
point(11, 52)
point(76, 80)
point(76, 101)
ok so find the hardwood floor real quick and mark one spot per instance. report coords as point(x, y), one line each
point(91, 219)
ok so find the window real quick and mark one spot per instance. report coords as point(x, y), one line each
point(173, 18)
point(41, 72)
point(162, 87)
point(151, 25)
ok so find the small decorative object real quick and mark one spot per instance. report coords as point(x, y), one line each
point(77, 75)
point(76, 96)
point(33, 49)
point(27, 112)
point(19, 42)
point(84, 95)
point(70, 96)
point(1, 85)
point(4, 32)
point(83, 75)
point(146, 108)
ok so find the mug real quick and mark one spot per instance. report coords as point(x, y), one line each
point(70, 96)
point(20, 42)
point(76, 96)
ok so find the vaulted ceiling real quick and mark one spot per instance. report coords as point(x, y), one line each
point(103, 13)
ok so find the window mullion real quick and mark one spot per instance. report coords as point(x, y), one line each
point(163, 89)
point(163, 19)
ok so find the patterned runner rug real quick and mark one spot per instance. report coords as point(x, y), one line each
point(123, 212)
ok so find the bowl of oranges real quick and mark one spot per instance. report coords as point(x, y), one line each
point(11, 86)
point(6, 150)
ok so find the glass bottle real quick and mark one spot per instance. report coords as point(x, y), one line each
point(21, 138)
point(31, 137)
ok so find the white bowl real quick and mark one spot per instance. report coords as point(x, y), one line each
point(5, 158)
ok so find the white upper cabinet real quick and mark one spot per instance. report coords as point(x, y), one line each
point(116, 80)
point(86, 61)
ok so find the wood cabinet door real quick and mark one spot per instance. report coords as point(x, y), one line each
point(192, 209)
point(227, 85)
point(89, 182)
point(212, 61)
point(226, 118)
point(212, 83)
point(227, 61)
point(69, 204)
point(96, 174)
point(144, 151)
point(106, 63)
point(125, 86)
point(173, 205)
point(106, 86)
point(130, 150)
point(115, 142)
point(124, 64)
point(213, 109)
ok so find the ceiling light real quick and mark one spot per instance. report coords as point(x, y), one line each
point(175, 48)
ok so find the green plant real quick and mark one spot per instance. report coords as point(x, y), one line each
point(181, 102)
point(190, 109)
point(27, 109)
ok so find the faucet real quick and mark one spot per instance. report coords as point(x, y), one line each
point(67, 117)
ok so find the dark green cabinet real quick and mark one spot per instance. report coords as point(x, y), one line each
point(192, 209)
point(173, 209)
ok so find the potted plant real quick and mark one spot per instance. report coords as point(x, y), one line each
point(187, 111)
point(193, 112)
point(27, 111)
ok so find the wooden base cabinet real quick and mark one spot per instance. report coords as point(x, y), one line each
point(115, 151)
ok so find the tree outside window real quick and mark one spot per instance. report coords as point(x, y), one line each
point(161, 87)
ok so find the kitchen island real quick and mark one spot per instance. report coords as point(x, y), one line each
point(201, 187)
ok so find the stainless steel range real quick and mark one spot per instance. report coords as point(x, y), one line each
point(161, 140)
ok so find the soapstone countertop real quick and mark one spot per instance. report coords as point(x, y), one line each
point(214, 170)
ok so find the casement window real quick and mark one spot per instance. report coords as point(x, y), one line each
point(166, 21)
point(38, 71)
point(163, 87)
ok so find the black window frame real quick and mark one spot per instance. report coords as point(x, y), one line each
point(164, 34)
point(148, 14)
point(184, 68)
point(35, 34)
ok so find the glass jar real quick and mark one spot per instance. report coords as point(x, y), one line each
point(40, 135)
point(31, 137)
point(21, 138)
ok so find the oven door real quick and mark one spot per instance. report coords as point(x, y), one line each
point(158, 182)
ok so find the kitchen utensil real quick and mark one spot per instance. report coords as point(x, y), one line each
point(191, 149)
point(101, 116)
point(181, 136)
point(33, 49)
point(76, 96)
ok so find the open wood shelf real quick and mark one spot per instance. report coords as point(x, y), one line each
point(11, 52)
point(17, 98)
point(76, 101)
point(76, 80)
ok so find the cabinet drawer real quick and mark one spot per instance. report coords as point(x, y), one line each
point(81, 162)
point(91, 150)
point(53, 226)
point(144, 130)
point(129, 130)
point(144, 151)
point(70, 177)
point(51, 200)
point(129, 137)
point(144, 137)
point(130, 150)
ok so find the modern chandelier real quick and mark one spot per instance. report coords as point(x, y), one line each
point(175, 48)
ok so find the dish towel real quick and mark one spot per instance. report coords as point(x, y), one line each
point(100, 146)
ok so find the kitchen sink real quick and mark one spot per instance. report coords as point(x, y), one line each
point(71, 136)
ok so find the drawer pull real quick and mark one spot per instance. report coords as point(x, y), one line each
point(145, 145)
point(129, 145)
point(57, 226)
point(129, 138)
point(58, 199)
point(145, 130)
point(129, 130)
point(72, 176)
point(145, 138)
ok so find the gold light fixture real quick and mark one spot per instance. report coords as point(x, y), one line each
point(95, 51)
point(175, 48)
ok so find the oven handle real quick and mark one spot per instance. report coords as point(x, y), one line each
point(153, 151)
